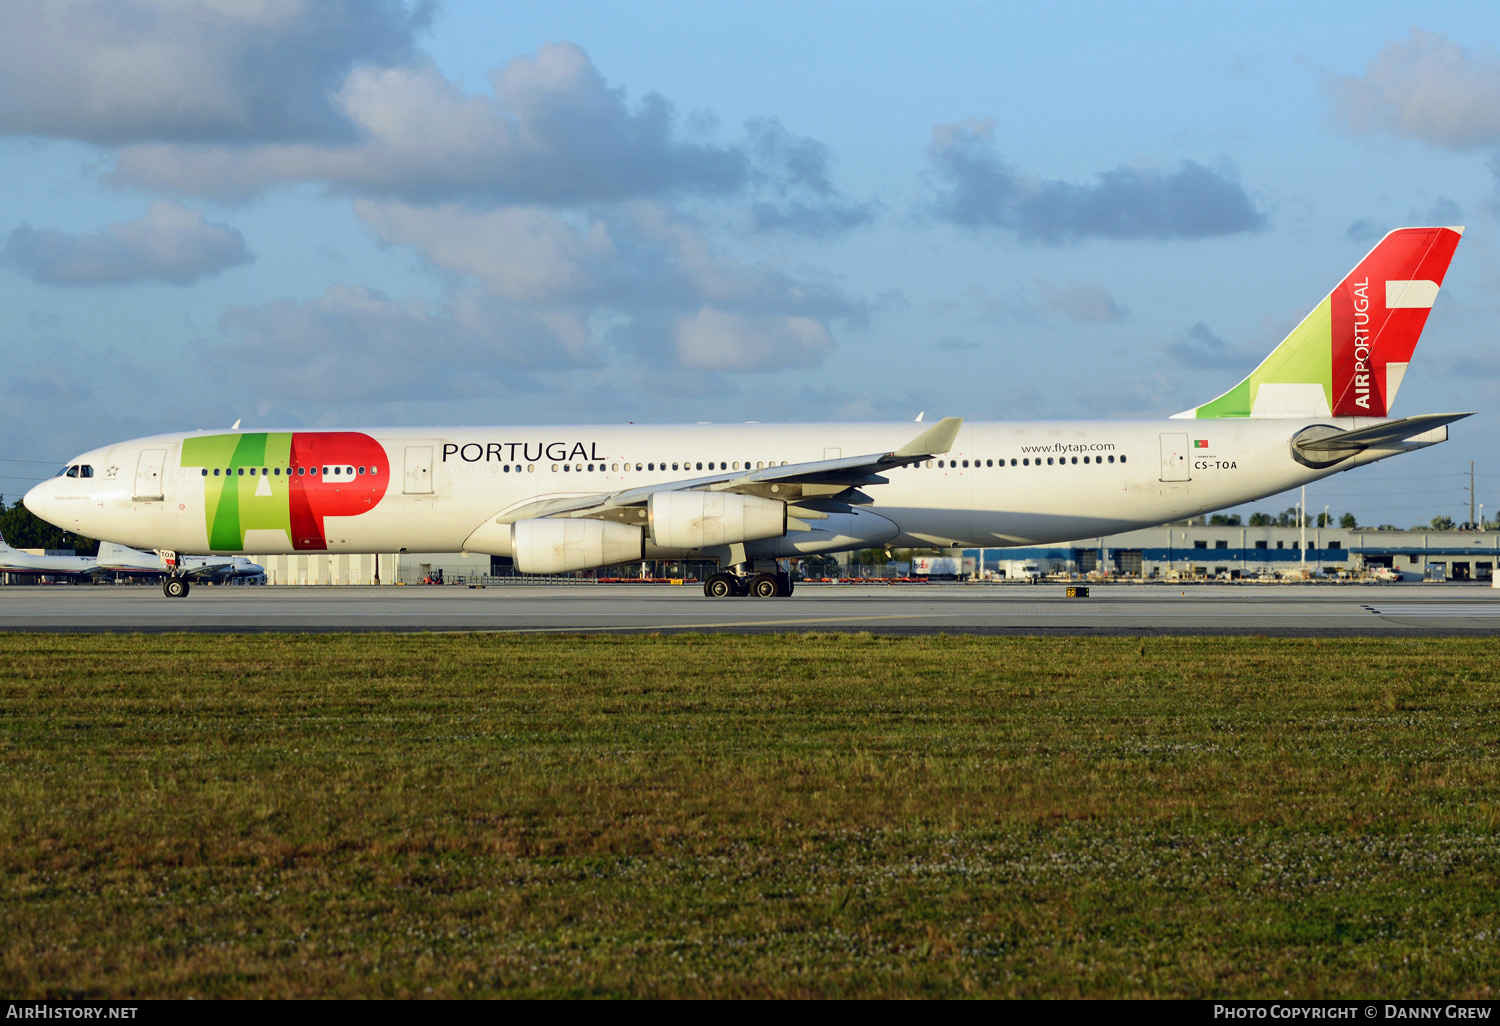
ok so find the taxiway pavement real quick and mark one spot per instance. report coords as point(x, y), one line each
point(1119, 609)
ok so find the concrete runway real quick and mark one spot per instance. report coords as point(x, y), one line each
point(1288, 610)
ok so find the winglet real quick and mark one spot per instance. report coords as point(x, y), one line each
point(937, 439)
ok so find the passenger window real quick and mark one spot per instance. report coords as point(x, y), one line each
point(205, 471)
point(1075, 461)
point(1122, 459)
point(1111, 459)
point(216, 472)
point(1026, 463)
point(239, 472)
point(361, 471)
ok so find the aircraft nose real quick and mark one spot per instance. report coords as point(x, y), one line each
point(36, 499)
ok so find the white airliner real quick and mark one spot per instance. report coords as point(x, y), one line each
point(558, 499)
point(121, 559)
point(19, 561)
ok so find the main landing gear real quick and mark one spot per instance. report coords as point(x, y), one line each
point(740, 581)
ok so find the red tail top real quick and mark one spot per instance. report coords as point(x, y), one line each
point(1378, 312)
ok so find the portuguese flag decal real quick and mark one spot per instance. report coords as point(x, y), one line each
point(1200, 443)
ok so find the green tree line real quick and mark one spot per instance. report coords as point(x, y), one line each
point(25, 530)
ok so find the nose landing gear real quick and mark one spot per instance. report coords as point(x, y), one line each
point(174, 586)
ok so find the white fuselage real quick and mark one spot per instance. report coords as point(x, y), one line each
point(1002, 483)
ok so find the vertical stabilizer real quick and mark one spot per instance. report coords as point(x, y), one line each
point(1347, 358)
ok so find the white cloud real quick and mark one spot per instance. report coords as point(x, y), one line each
point(522, 253)
point(552, 131)
point(114, 71)
point(974, 187)
point(1081, 301)
point(171, 243)
point(355, 344)
point(1426, 87)
point(684, 303)
point(716, 340)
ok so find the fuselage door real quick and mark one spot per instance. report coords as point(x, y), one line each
point(1175, 465)
point(418, 477)
point(148, 475)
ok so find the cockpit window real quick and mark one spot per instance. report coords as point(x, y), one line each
point(76, 470)
point(84, 470)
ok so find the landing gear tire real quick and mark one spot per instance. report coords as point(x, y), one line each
point(174, 587)
point(765, 586)
point(720, 585)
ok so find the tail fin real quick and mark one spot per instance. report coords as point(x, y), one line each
point(1347, 357)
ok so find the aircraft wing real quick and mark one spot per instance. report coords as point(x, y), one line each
point(209, 571)
point(812, 490)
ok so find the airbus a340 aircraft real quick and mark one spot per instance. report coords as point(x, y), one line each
point(568, 498)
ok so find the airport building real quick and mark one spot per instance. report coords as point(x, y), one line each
point(1198, 550)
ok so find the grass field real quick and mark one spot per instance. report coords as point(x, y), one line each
point(796, 815)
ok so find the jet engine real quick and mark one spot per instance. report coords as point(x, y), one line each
point(546, 546)
point(695, 520)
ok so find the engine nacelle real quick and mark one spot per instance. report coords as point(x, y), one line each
point(696, 520)
point(544, 546)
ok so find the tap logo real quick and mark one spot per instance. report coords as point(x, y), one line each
point(285, 481)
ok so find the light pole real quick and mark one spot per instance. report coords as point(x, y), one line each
point(1481, 516)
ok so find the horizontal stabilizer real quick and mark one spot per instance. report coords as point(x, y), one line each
point(1376, 435)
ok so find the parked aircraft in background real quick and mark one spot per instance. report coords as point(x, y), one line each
point(18, 561)
point(558, 499)
point(121, 559)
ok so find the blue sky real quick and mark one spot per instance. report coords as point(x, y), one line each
point(359, 213)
